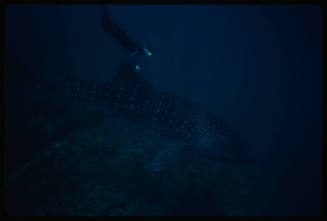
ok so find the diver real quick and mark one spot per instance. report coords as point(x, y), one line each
point(125, 41)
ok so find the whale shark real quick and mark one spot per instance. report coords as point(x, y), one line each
point(184, 126)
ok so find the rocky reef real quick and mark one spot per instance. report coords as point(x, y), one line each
point(101, 170)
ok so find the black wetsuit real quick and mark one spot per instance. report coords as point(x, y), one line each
point(125, 41)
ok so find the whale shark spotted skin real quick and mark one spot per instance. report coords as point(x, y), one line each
point(130, 95)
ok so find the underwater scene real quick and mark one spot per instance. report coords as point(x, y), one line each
point(162, 110)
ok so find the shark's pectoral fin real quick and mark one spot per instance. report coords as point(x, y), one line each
point(170, 154)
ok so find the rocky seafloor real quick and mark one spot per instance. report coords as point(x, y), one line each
point(100, 170)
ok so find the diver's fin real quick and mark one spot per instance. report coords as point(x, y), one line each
point(107, 22)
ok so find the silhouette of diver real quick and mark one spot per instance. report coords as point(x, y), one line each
point(125, 41)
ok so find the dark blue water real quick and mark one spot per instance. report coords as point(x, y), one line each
point(257, 67)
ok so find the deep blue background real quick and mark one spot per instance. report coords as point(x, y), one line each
point(258, 67)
